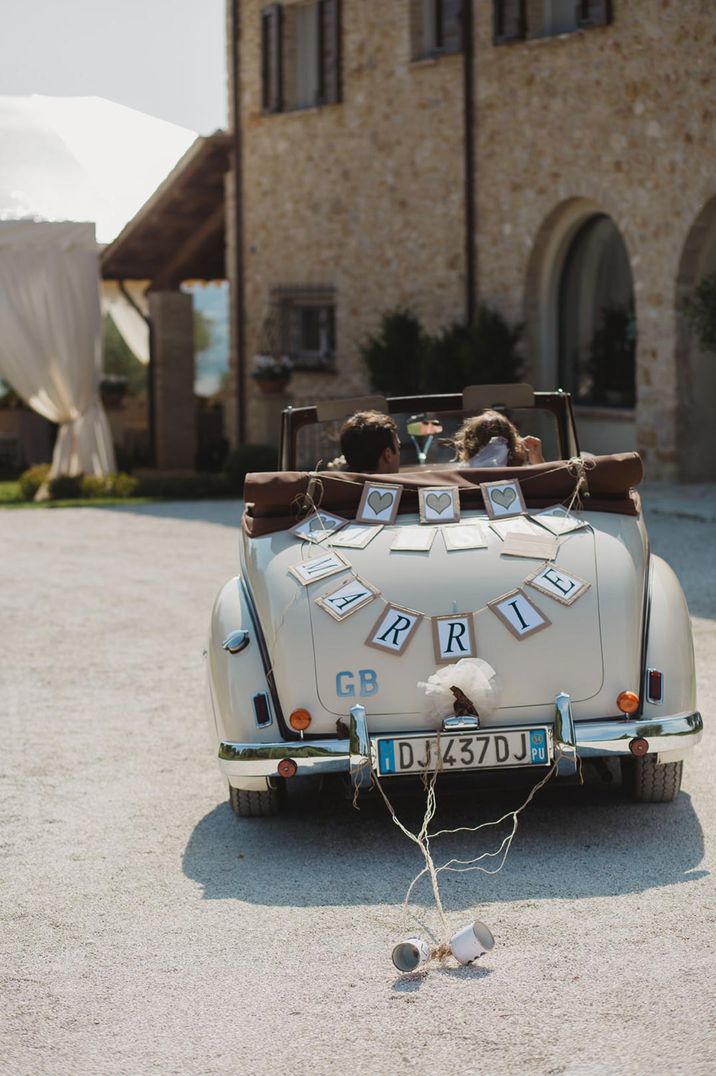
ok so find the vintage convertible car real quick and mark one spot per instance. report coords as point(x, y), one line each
point(318, 645)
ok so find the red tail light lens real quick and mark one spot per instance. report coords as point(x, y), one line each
point(654, 686)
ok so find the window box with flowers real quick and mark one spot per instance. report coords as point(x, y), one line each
point(272, 373)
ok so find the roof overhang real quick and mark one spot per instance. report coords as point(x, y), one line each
point(179, 233)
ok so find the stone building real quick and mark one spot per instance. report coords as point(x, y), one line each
point(555, 159)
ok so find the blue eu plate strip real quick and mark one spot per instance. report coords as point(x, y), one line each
point(386, 756)
point(538, 746)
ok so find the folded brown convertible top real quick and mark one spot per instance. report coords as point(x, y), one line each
point(271, 497)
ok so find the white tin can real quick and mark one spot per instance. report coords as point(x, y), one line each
point(471, 942)
point(410, 954)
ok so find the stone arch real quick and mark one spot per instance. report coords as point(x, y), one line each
point(695, 369)
point(602, 430)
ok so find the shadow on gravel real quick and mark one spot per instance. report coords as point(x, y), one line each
point(572, 842)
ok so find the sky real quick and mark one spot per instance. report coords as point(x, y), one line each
point(163, 57)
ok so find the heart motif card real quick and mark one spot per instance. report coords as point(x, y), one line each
point(318, 526)
point(379, 503)
point(503, 499)
point(439, 505)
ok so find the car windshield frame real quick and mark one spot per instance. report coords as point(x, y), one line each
point(559, 403)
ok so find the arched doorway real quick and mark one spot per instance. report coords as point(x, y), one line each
point(695, 366)
point(581, 316)
point(596, 317)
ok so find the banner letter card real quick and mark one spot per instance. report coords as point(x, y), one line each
point(394, 629)
point(454, 637)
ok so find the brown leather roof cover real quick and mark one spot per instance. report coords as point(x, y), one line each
point(271, 503)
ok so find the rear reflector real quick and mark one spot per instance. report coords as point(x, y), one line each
point(262, 711)
point(286, 767)
point(654, 686)
point(638, 746)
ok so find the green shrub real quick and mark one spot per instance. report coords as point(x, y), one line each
point(245, 459)
point(402, 358)
point(480, 354)
point(701, 311)
point(65, 487)
point(182, 487)
point(94, 485)
point(31, 480)
point(395, 355)
point(124, 485)
point(108, 485)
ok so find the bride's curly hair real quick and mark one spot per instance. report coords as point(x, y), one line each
point(476, 432)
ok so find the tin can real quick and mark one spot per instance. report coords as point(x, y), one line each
point(410, 954)
point(471, 942)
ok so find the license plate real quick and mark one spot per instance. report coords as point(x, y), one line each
point(490, 749)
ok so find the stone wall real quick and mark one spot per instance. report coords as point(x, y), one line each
point(367, 196)
point(617, 119)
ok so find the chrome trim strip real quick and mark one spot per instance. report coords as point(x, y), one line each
point(663, 734)
point(342, 756)
point(563, 721)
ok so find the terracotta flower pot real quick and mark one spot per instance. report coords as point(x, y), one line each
point(271, 385)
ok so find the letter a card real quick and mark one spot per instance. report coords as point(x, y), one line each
point(394, 629)
point(517, 612)
point(347, 598)
point(454, 637)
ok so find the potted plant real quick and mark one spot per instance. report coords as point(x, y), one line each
point(272, 373)
point(113, 389)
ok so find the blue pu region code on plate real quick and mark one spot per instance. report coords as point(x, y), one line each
point(489, 749)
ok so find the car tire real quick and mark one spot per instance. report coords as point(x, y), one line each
point(265, 804)
point(648, 781)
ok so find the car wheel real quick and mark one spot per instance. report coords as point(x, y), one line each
point(648, 781)
point(263, 804)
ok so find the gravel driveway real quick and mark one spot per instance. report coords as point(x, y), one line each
point(146, 930)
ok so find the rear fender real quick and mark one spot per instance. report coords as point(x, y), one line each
point(669, 645)
point(236, 680)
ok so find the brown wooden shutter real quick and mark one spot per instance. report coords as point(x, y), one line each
point(329, 51)
point(271, 57)
point(594, 12)
point(510, 23)
point(450, 25)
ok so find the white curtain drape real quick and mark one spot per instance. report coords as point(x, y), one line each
point(132, 327)
point(50, 336)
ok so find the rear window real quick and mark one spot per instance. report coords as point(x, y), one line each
point(318, 445)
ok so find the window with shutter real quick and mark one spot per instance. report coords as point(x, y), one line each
point(329, 51)
point(594, 12)
point(435, 27)
point(510, 23)
point(271, 57)
point(517, 20)
point(304, 316)
point(301, 55)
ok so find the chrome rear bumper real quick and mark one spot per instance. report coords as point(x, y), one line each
point(589, 738)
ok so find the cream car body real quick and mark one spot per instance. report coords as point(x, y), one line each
point(273, 650)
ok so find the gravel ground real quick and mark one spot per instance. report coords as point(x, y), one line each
point(146, 930)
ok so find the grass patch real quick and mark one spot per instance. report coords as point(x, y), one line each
point(11, 497)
